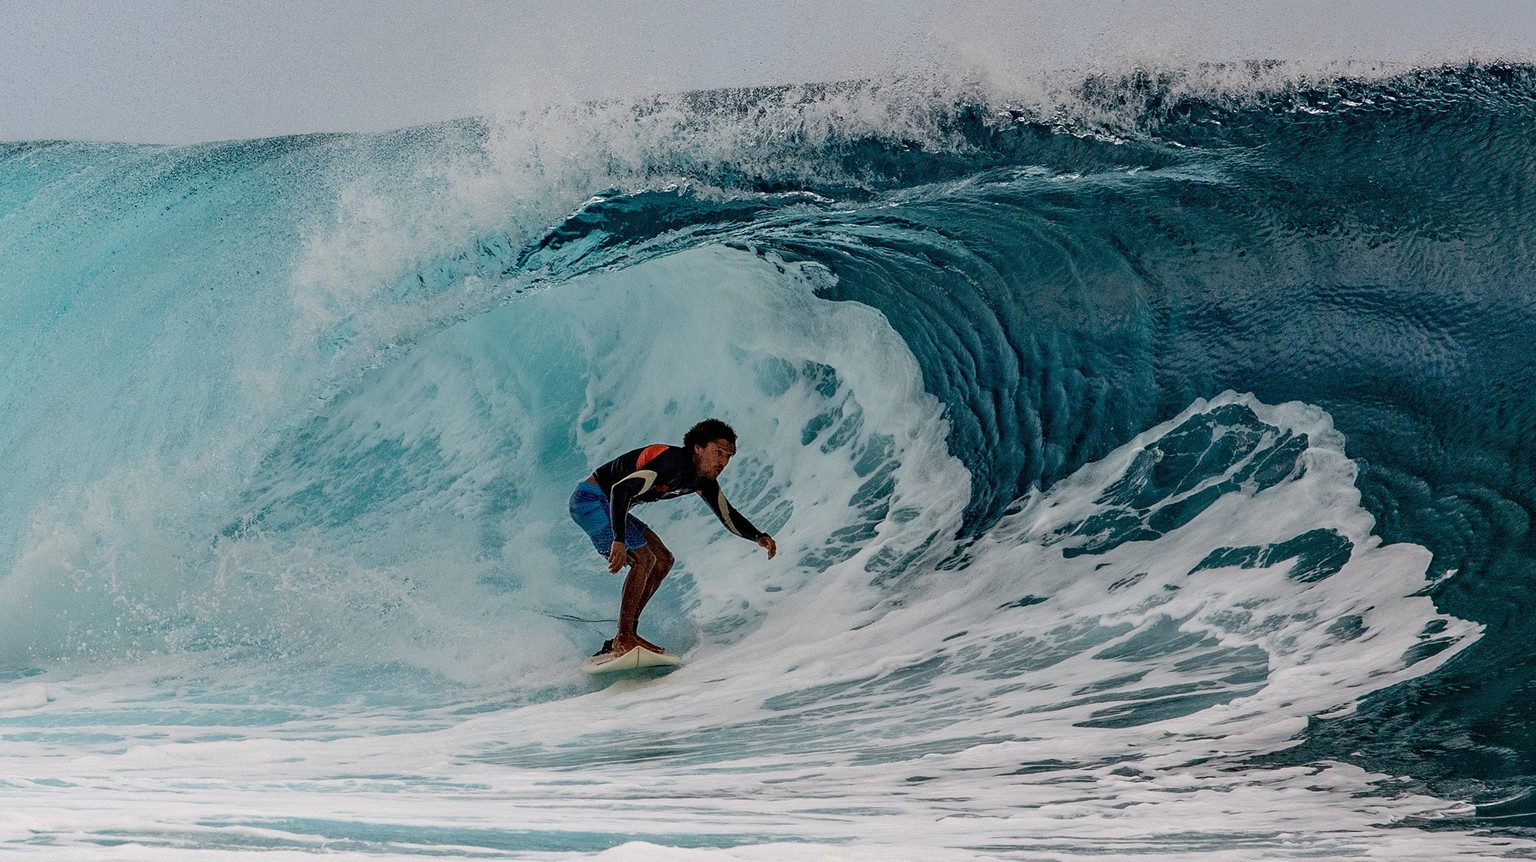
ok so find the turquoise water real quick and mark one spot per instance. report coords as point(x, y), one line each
point(1149, 471)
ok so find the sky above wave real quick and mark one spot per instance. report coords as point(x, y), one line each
point(175, 71)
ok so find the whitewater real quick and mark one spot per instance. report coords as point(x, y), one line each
point(1148, 456)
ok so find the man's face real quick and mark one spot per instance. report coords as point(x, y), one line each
point(712, 457)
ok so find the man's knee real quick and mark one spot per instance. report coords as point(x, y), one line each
point(662, 554)
point(664, 560)
point(642, 557)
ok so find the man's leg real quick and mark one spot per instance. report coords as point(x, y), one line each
point(632, 599)
point(648, 567)
point(659, 571)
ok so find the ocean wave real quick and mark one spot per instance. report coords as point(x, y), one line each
point(313, 397)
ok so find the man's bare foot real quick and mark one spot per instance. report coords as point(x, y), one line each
point(623, 644)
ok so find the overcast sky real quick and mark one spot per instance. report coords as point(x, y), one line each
point(177, 71)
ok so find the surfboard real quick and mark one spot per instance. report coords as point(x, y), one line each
point(635, 659)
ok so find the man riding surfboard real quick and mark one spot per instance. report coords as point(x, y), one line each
point(601, 504)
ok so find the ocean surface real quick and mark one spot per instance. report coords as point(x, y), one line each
point(1150, 458)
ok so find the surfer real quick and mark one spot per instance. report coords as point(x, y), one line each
point(601, 503)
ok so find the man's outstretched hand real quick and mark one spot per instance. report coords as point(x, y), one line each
point(770, 544)
point(617, 558)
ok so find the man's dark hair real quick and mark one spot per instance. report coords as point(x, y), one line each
point(707, 432)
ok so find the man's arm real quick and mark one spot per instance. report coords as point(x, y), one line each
point(622, 496)
point(733, 520)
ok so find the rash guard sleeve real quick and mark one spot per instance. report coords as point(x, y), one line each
point(622, 496)
point(733, 520)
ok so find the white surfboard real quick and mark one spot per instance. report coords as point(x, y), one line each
point(637, 658)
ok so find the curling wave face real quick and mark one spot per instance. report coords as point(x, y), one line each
point(311, 405)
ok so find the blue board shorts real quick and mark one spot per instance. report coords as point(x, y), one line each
point(589, 509)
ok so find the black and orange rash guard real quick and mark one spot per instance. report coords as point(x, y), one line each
point(661, 472)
